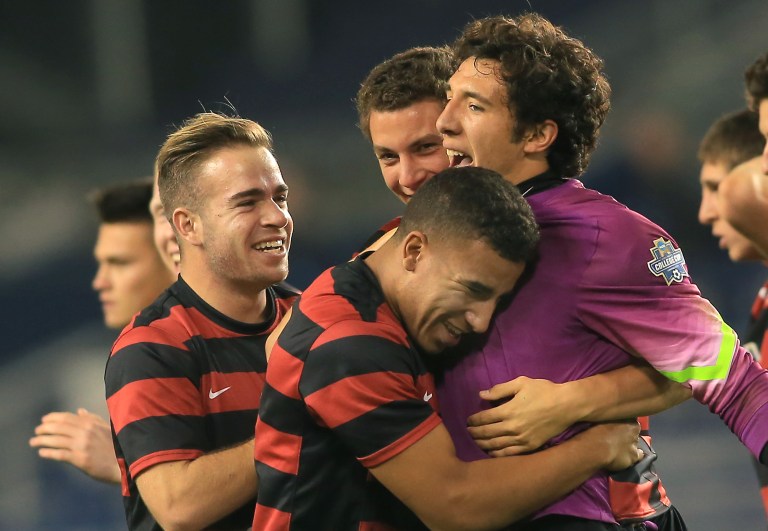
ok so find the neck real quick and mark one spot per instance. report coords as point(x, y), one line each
point(531, 166)
point(380, 263)
point(242, 301)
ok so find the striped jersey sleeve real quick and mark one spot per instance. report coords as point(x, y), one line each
point(358, 381)
point(153, 398)
point(344, 391)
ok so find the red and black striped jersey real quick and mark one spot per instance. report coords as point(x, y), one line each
point(378, 238)
point(183, 380)
point(346, 390)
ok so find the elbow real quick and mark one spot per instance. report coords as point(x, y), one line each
point(175, 518)
point(174, 511)
point(675, 393)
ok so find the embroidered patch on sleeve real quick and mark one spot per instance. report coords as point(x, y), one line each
point(667, 261)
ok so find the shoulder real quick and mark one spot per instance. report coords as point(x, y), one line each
point(376, 239)
point(161, 330)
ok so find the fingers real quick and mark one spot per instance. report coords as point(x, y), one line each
point(51, 441)
point(56, 454)
point(507, 430)
point(511, 450)
point(59, 417)
point(496, 443)
point(503, 390)
point(49, 427)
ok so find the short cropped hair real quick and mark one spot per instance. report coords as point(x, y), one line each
point(756, 81)
point(734, 138)
point(474, 204)
point(126, 202)
point(548, 76)
point(191, 145)
point(406, 78)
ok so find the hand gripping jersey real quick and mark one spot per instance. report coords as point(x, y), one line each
point(183, 380)
point(345, 390)
point(608, 285)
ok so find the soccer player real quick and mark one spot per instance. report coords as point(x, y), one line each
point(609, 286)
point(398, 104)
point(731, 147)
point(732, 140)
point(164, 236)
point(129, 277)
point(349, 396)
point(183, 381)
point(744, 196)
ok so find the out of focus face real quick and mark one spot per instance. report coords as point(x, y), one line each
point(130, 273)
point(738, 246)
point(763, 110)
point(408, 146)
point(165, 239)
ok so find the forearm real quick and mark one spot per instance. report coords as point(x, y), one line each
point(627, 392)
point(446, 493)
point(194, 494)
point(521, 486)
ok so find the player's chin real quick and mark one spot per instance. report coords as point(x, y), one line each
point(276, 274)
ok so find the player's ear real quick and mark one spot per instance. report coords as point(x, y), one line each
point(413, 247)
point(540, 137)
point(188, 226)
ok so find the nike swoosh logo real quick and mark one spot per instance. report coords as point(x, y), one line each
point(213, 395)
point(427, 396)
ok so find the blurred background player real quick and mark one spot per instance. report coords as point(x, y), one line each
point(745, 194)
point(129, 277)
point(731, 149)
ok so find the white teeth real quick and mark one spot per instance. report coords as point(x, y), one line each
point(275, 244)
point(453, 330)
point(454, 153)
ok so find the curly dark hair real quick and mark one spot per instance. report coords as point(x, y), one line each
point(756, 81)
point(404, 79)
point(548, 76)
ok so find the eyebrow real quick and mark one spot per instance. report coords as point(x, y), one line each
point(415, 143)
point(477, 287)
point(475, 95)
point(255, 192)
point(464, 94)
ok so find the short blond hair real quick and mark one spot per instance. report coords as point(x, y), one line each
point(192, 144)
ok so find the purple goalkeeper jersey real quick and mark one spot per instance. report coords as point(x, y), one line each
point(609, 285)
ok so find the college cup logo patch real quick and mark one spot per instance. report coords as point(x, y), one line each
point(667, 261)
